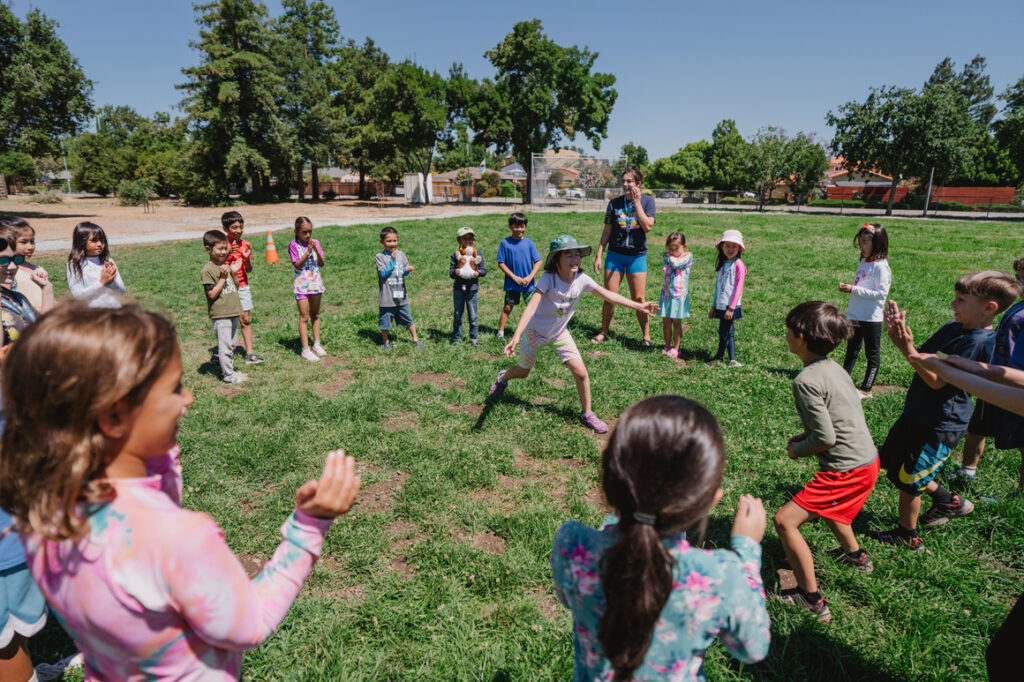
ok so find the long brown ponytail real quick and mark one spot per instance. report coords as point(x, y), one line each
point(662, 468)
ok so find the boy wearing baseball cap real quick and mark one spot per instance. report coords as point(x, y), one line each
point(465, 267)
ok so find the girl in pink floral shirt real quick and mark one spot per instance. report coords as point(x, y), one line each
point(90, 473)
point(645, 603)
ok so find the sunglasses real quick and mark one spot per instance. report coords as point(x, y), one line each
point(7, 260)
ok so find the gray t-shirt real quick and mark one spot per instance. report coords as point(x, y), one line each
point(830, 409)
point(391, 279)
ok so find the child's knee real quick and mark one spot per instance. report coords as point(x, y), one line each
point(779, 520)
point(507, 309)
point(639, 298)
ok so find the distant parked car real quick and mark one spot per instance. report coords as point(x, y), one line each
point(575, 193)
point(668, 195)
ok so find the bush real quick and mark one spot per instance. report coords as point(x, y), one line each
point(729, 200)
point(749, 201)
point(48, 196)
point(836, 203)
point(506, 189)
point(489, 192)
point(135, 192)
point(329, 195)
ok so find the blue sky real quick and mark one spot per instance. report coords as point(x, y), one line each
point(681, 67)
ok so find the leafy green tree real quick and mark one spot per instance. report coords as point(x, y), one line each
point(541, 92)
point(309, 47)
point(368, 144)
point(770, 161)
point(728, 160)
point(633, 155)
point(807, 165)
point(17, 165)
point(460, 152)
point(1010, 129)
point(44, 94)
point(232, 101)
point(880, 133)
point(685, 168)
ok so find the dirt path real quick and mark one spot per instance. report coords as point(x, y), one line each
point(168, 221)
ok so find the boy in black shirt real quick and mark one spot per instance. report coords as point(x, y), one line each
point(935, 414)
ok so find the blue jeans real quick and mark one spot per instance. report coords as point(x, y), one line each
point(467, 299)
point(726, 339)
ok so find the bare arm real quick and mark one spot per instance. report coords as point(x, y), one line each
point(531, 308)
point(903, 338)
point(606, 234)
point(1008, 397)
point(650, 307)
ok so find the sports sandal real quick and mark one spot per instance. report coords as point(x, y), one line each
point(599, 337)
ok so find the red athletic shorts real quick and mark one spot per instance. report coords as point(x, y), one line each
point(839, 495)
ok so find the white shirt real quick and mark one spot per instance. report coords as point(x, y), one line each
point(558, 301)
point(870, 289)
point(88, 285)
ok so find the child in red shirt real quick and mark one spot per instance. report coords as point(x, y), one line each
point(241, 250)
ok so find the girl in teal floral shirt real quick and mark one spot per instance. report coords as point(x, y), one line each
point(645, 603)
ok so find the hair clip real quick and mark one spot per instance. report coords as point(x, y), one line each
point(868, 227)
point(645, 519)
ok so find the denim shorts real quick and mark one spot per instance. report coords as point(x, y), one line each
point(617, 262)
point(399, 314)
point(245, 296)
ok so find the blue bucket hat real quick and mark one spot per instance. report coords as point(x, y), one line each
point(564, 243)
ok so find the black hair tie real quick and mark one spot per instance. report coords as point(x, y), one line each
point(644, 519)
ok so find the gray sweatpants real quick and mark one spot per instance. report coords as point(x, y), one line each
point(226, 331)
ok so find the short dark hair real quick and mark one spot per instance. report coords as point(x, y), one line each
point(231, 217)
point(879, 240)
point(386, 231)
point(991, 285)
point(213, 237)
point(638, 177)
point(517, 219)
point(820, 324)
point(1018, 266)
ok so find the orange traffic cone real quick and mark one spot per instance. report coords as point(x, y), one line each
point(271, 249)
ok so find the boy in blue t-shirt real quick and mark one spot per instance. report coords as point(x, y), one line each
point(935, 413)
point(520, 260)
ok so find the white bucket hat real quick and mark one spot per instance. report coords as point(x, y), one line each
point(733, 236)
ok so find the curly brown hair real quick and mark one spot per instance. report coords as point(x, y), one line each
point(72, 365)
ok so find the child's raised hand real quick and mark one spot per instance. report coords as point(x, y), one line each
point(334, 493)
point(225, 270)
point(236, 266)
point(750, 518)
point(108, 273)
point(41, 277)
point(845, 288)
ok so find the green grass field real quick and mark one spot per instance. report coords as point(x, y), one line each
point(441, 570)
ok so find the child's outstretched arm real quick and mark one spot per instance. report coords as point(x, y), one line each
point(903, 338)
point(649, 307)
point(528, 313)
point(208, 583)
point(746, 634)
point(1007, 394)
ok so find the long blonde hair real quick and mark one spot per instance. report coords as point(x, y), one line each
point(75, 363)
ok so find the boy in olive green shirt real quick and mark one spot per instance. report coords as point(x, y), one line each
point(222, 302)
point(836, 433)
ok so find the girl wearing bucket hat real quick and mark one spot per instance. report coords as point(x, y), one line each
point(728, 293)
point(627, 220)
point(546, 320)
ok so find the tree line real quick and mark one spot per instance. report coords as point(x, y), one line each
point(274, 100)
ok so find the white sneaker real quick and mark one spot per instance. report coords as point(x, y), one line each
point(319, 350)
point(734, 363)
point(307, 354)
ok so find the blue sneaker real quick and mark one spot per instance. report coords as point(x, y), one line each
point(499, 386)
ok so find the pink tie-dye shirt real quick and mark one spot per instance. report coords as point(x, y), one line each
point(154, 592)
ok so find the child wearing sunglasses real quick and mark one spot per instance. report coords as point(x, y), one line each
point(16, 312)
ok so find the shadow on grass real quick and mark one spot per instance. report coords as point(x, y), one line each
point(808, 653)
point(44, 215)
point(567, 414)
point(783, 372)
point(292, 344)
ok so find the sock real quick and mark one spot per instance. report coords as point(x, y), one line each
point(942, 496)
point(811, 597)
point(970, 470)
